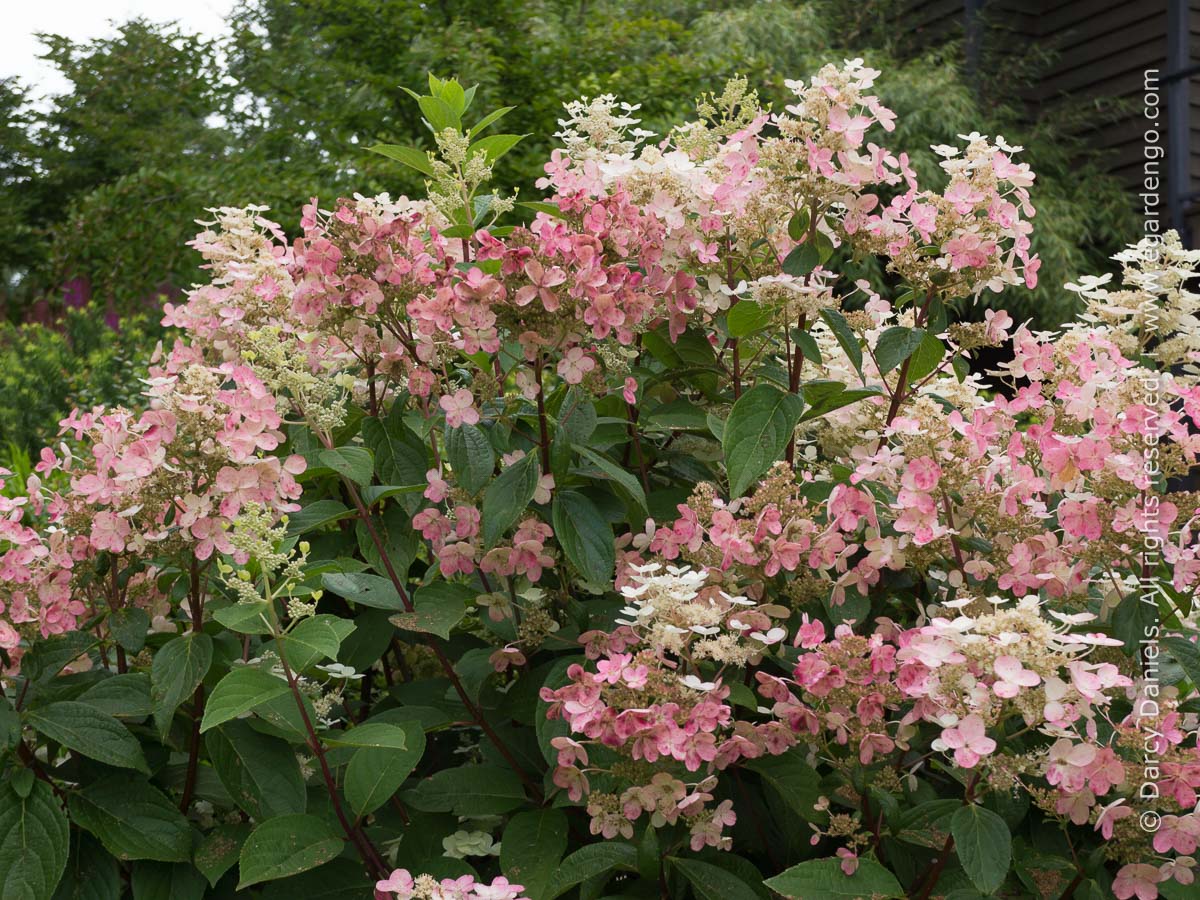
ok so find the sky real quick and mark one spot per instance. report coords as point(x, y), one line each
point(85, 19)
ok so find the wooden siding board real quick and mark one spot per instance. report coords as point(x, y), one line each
point(1118, 21)
point(1069, 14)
point(1118, 75)
point(1131, 129)
point(1102, 48)
point(921, 15)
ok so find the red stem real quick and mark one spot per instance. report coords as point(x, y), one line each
point(543, 431)
point(353, 833)
point(196, 607)
point(794, 368)
point(435, 646)
point(939, 862)
point(900, 393)
point(637, 446)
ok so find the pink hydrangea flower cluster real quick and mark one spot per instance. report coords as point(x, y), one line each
point(962, 676)
point(128, 487)
point(1137, 791)
point(402, 885)
point(1013, 491)
point(249, 283)
point(454, 535)
point(657, 695)
point(976, 222)
point(638, 238)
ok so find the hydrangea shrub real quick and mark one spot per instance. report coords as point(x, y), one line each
point(618, 543)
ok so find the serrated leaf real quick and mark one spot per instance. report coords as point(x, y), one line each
point(46, 658)
point(825, 396)
point(282, 716)
point(315, 638)
point(824, 878)
point(677, 413)
point(452, 92)
point(626, 482)
point(508, 497)
point(490, 119)
point(91, 874)
point(689, 351)
point(22, 781)
point(927, 824)
point(802, 259)
point(471, 457)
point(1130, 621)
point(129, 625)
point(584, 536)
point(315, 515)
point(798, 224)
point(220, 849)
point(575, 423)
point(576, 417)
point(245, 617)
point(746, 317)
point(260, 772)
point(401, 457)
point(711, 882)
point(758, 429)
point(364, 589)
point(438, 114)
point(437, 608)
point(650, 854)
point(590, 861)
point(845, 337)
point(354, 463)
point(743, 869)
point(373, 493)
point(368, 641)
point(239, 692)
point(808, 346)
point(177, 670)
point(124, 696)
point(531, 849)
point(166, 881)
point(133, 819)
point(925, 358)
point(376, 735)
point(34, 842)
point(409, 156)
point(542, 206)
point(340, 879)
point(375, 772)
point(1186, 654)
point(90, 732)
point(286, 845)
point(495, 146)
point(794, 780)
point(983, 844)
point(896, 345)
point(469, 791)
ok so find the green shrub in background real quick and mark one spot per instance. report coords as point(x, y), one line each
point(45, 372)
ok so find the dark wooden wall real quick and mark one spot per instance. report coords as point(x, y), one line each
point(1102, 50)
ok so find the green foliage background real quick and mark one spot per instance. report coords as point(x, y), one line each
point(105, 181)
